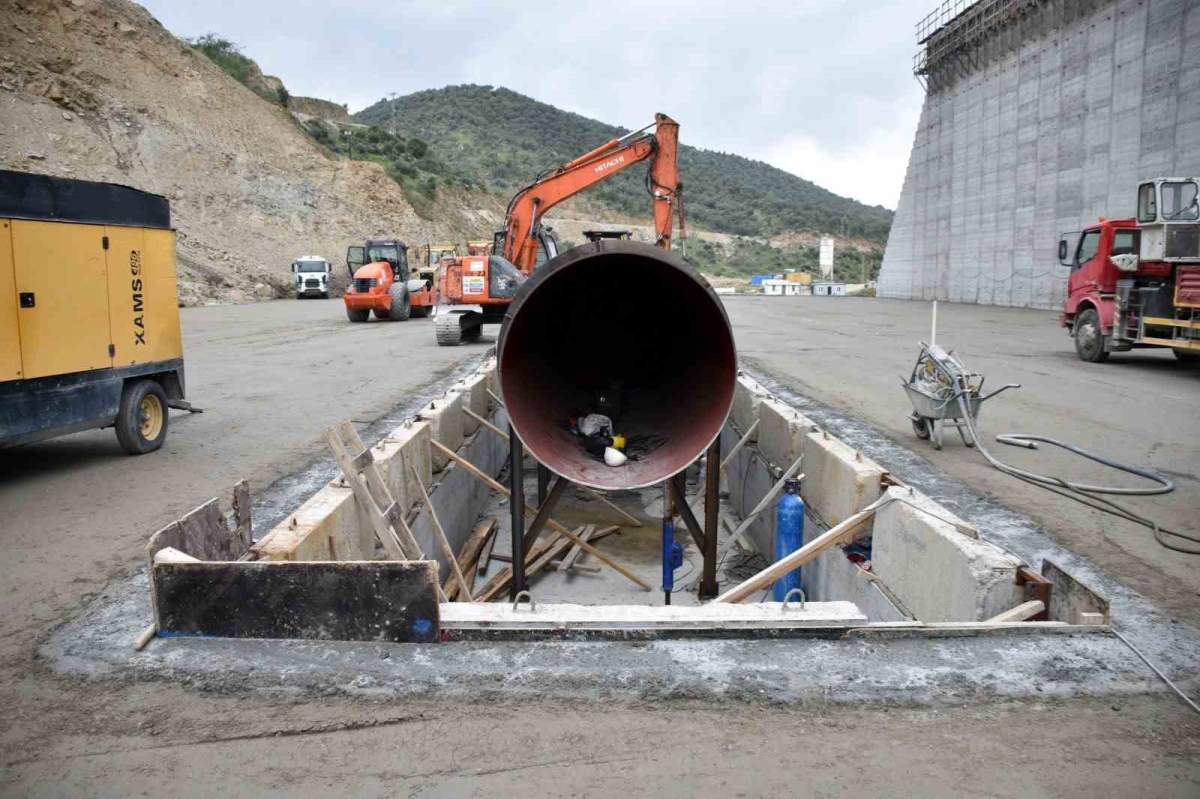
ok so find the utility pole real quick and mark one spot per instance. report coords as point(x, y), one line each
point(392, 97)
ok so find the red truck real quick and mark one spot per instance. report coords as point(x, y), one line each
point(1136, 282)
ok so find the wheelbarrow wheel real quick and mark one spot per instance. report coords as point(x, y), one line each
point(920, 427)
point(938, 428)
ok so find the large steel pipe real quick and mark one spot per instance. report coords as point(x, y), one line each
point(627, 330)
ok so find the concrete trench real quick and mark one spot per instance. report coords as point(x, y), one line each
point(915, 629)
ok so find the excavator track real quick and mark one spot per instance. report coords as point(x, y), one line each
point(448, 329)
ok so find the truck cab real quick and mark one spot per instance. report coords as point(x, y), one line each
point(1136, 282)
point(312, 276)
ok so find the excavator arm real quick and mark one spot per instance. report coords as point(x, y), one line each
point(530, 204)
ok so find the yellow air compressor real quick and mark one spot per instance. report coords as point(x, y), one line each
point(89, 317)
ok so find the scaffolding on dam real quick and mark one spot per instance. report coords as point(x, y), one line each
point(1040, 117)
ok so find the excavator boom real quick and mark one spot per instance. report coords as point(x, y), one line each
point(616, 155)
point(486, 285)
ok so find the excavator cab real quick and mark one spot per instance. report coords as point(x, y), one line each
point(435, 253)
point(548, 246)
point(393, 252)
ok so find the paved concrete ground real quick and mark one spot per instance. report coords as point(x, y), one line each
point(1140, 407)
point(75, 514)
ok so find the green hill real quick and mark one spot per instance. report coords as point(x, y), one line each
point(503, 140)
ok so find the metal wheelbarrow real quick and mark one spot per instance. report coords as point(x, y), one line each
point(937, 382)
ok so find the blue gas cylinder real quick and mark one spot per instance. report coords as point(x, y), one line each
point(789, 535)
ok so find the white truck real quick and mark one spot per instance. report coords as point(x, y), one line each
point(312, 276)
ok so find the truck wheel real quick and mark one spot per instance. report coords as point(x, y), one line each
point(142, 420)
point(401, 303)
point(1089, 340)
point(357, 314)
point(1191, 357)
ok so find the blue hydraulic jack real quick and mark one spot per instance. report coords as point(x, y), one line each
point(672, 558)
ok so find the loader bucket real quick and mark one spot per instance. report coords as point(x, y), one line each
point(624, 329)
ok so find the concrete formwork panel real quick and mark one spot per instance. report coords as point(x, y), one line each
point(781, 431)
point(459, 497)
point(445, 418)
point(938, 572)
point(831, 575)
point(475, 399)
point(840, 481)
point(330, 525)
point(747, 395)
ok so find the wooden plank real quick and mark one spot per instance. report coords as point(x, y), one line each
point(573, 555)
point(394, 601)
point(1035, 587)
point(968, 629)
point(378, 490)
point(485, 554)
point(1022, 612)
point(554, 551)
point(575, 568)
point(441, 534)
point(500, 582)
point(385, 533)
point(485, 423)
point(484, 532)
point(712, 616)
point(1070, 597)
point(604, 532)
point(560, 529)
point(841, 533)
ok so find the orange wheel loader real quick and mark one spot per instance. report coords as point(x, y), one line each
point(382, 281)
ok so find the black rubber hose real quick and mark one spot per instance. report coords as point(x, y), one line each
point(1080, 492)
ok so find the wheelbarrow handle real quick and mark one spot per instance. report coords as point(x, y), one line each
point(999, 391)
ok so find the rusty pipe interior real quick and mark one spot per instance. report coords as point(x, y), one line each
point(628, 330)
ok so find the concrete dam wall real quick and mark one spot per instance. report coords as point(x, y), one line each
point(1040, 117)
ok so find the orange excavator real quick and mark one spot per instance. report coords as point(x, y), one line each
point(479, 288)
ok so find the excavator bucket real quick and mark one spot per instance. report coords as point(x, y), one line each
point(627, 330)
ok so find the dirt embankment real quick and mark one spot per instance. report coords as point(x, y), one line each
point(99, 90)
point(316, 107)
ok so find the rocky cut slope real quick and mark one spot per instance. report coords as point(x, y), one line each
point(99, 90)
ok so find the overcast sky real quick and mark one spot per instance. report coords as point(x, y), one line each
point(821, 88)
